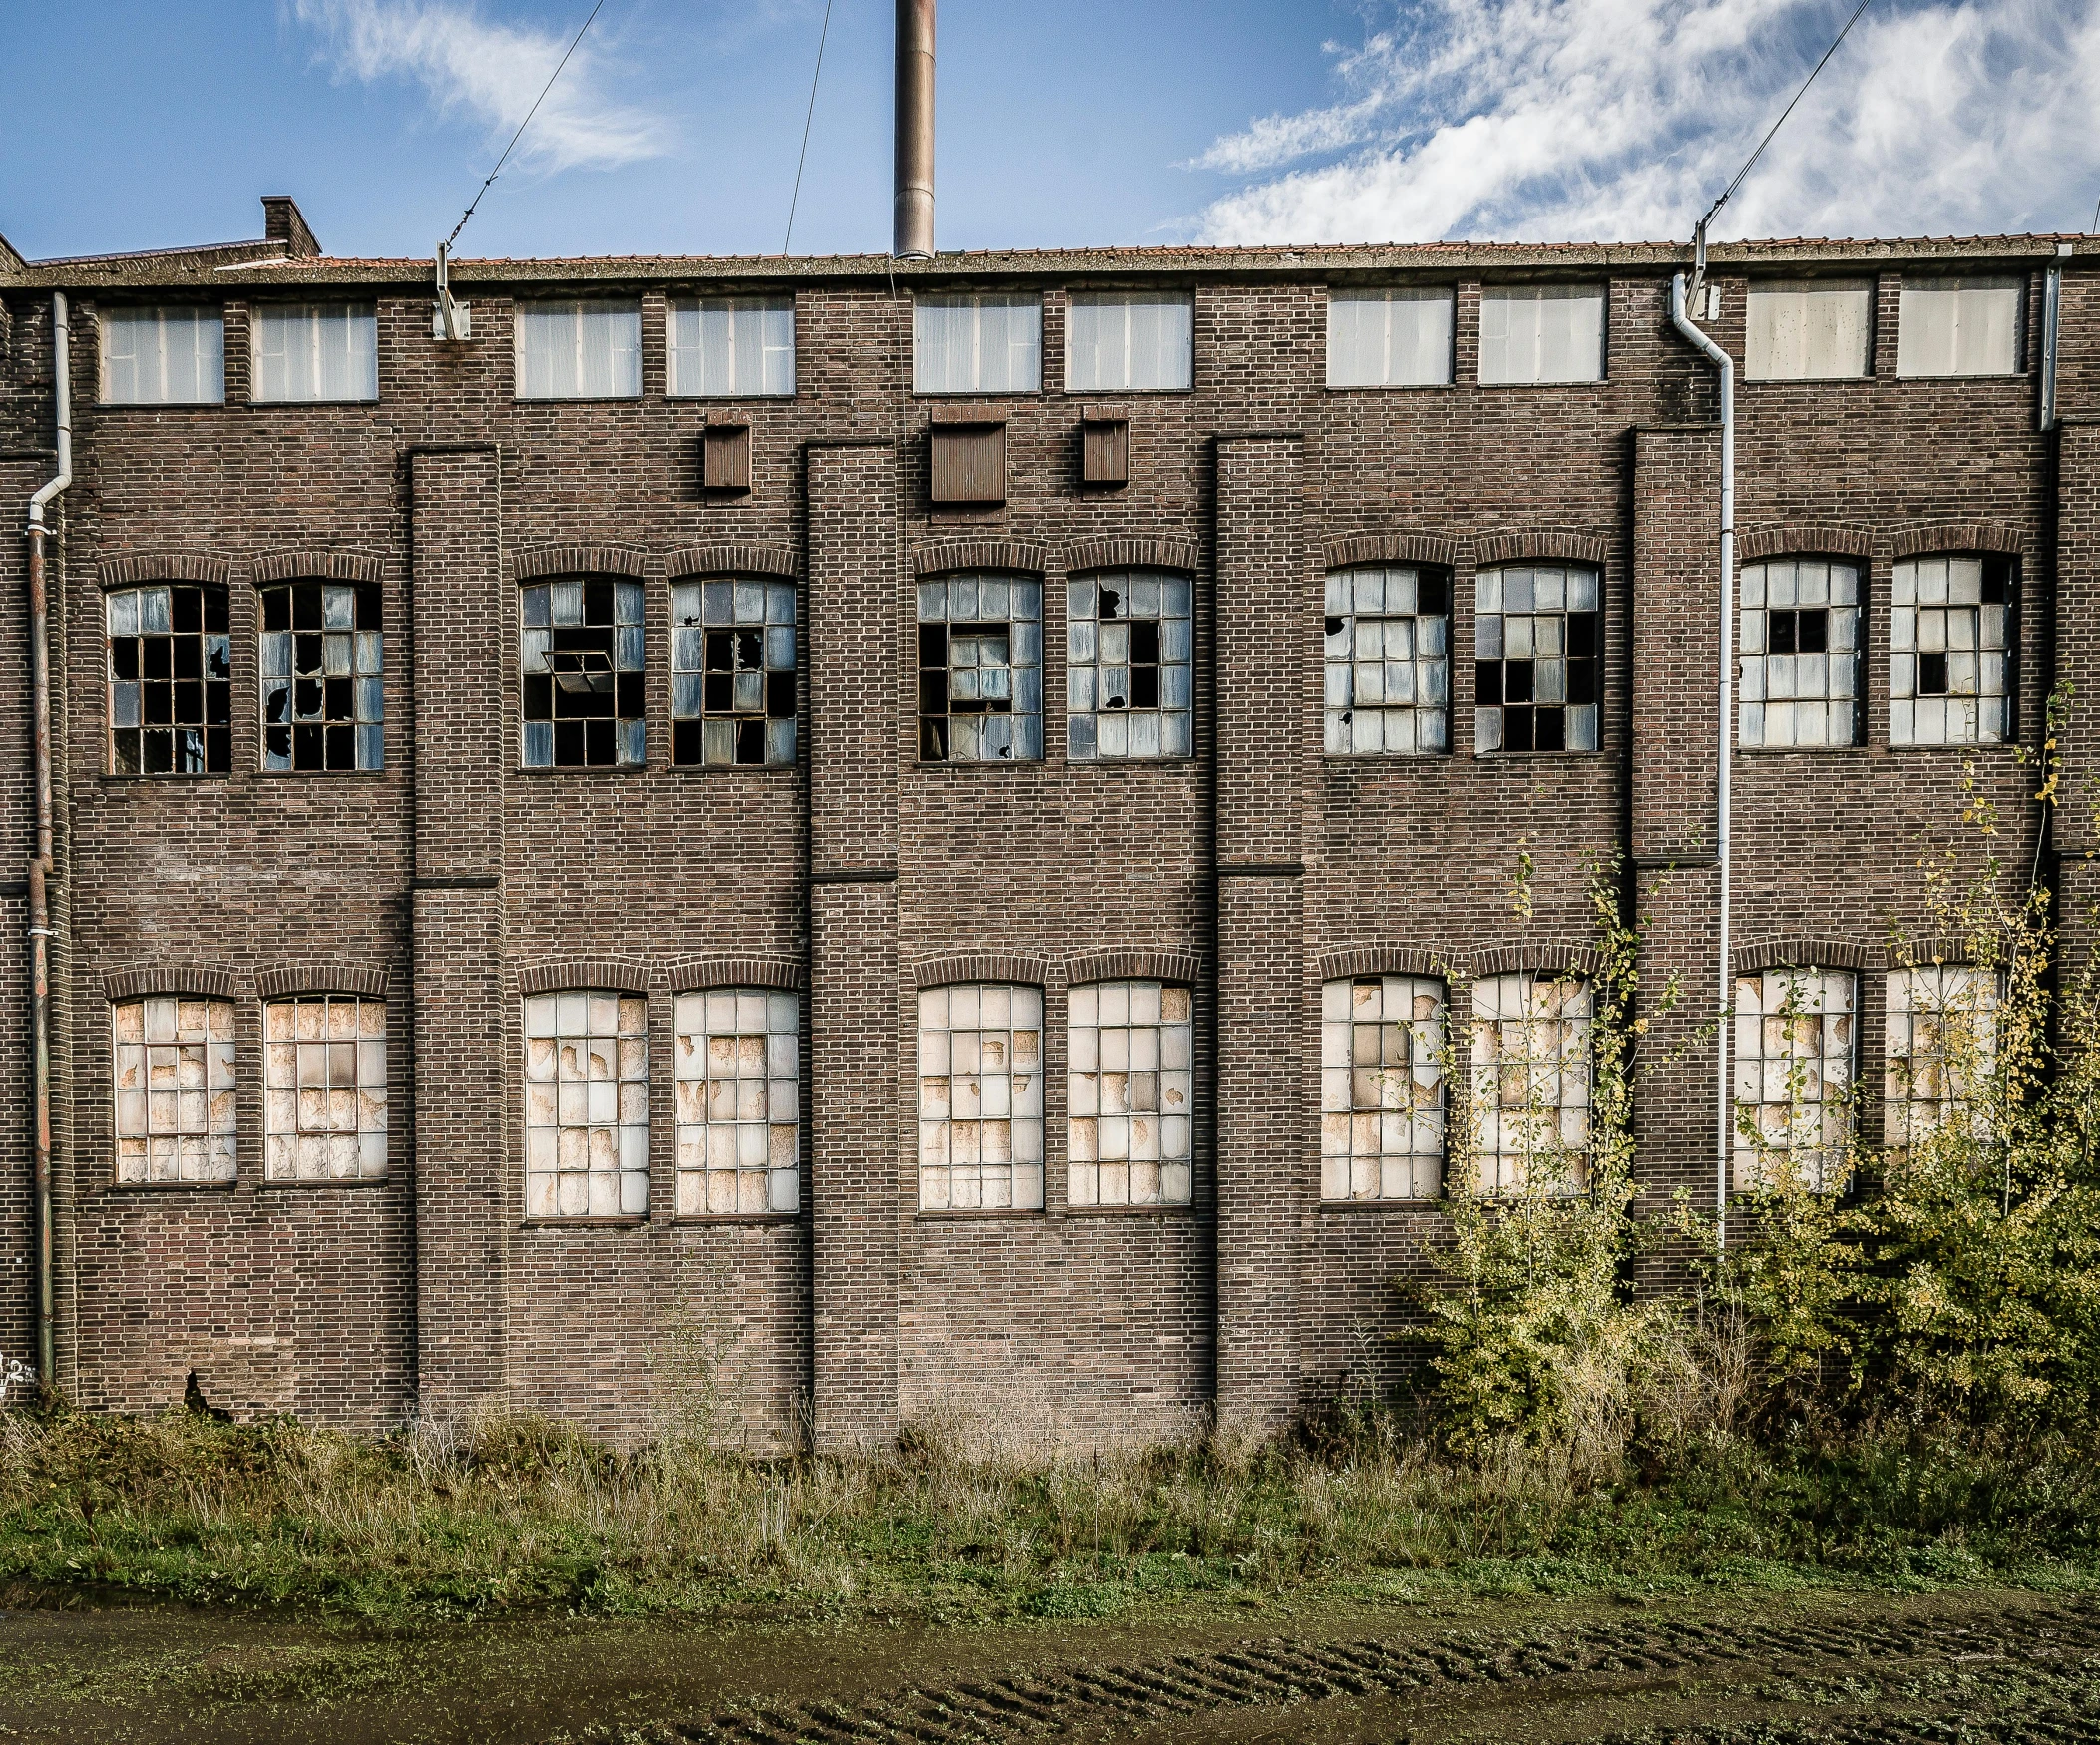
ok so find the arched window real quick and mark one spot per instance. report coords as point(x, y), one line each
point(1539, 645)
point(1132, 1093)
point(582, 669)
point(586, 1104)
point(739, 1085)
point(171, 680)
point(321, 670)
point(174, 1104)
point(1532, 1081)
point(1382, 1042)
point(1794, 1075)
point(980, 1098)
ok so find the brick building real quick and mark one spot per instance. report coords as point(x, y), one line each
point(857, 816)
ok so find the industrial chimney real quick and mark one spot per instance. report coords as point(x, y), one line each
point(915, 131)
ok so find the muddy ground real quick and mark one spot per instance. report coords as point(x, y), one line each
point(1759, 1669)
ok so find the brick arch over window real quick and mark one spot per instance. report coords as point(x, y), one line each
point(188, 979)
point(983, 966)
point(1925, 950)
point(1132, 554)
point(978, 554)
point(689, 974)
point(732, 560)
point(1396, 548)
point(290, 566)
point(1386, 960)
point(1540, 960)
point(1821, 538)
point(1796, 952)
point(136, 566)
point(1956, 536)
point(1553, 545)
point(577, 561)
point(615, 975)
point(366, 980)
point(1182, 968)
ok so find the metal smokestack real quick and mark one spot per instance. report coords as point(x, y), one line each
point(915, 131)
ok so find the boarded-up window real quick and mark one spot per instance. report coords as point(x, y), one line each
point(732, 346)
point(1793, 1076)
point(1542, 333)
point(977, 344)
point(587, 1105)
point(1381, 1049)
point(1131, 1090)
point(1388, 667)
point(171, 680)
point(171, 356)
point(1799, 641)
point(579, 351)
point(174, 1108)
point(1950, 651)
point(1537, 646)
point(324, 1089)
point(980, 1098)
point(1127, 666)
point(1117, 343)
point(1960, 328)
point(1807, 330)
point(1531, 1083)
point(968, 463)
point(739, 1101)
point(1389, 339)
point(316, 351)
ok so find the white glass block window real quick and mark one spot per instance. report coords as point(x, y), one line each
point(324, 690)
point(1382, 1088)
point(732, 672)
point(1794, 1075)
point(316, 351)
point(1388, 660)
point(579, 351)
point(981, 670)
point(977, 344)
point(1389, 339)
point(732, 346)
point(980, 1098)
point(1127, 666)
point(1118, 343)
point(740, 1086)
point(581, 672)
point(174, 356)
point(587, 1105)
point(1537, 645)
point(1950, 651)
point(1960, 328)
point(1532, 1081)
point(1798, 643)
point(1131, 1090)
point(174, 1088)
point(1942, 1037)
point(1542, 333)
point(1807, 330)
point(324, 1089)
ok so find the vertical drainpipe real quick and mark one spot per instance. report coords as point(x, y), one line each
point(1724, 1009)
point(41, 866)
point(914, 164)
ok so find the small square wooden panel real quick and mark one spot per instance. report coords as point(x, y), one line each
point(1104, 451)
point(969, 462)
point(725, 457)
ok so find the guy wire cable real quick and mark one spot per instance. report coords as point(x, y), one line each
point(796, 199)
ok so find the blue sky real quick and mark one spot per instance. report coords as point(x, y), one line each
point(676, 128)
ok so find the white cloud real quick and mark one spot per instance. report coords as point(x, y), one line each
point(1620, 120)
point(494, 72)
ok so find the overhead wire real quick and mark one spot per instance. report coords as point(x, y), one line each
point(796, 199)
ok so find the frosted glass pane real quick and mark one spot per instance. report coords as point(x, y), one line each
point(1390, 339)
point(1542, 333)
point(578, 350)
point(316, 352)
point(1133, 344)
point(1960, 327)
point(743, 347)
point(977, 345)
point(171, 356)
point(1808, 331)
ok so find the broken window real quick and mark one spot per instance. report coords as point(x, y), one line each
point(1120, 342)
point(1537, 645)
point(732, 662)
point(1793, 1076)
point(1800, 643)
point(739, 1085)
point(980, 1098)
point(316, 352)
point(977, 343)
point(581, 662)
point(1531, 1080)
point(1541, 333)
point(1382, 1043)
point(1131, 1090)
point(174, 1089)
point(579, 351)
point(171, 356)
point(1943, 1039)
point(981, 670)
point(1127, 669)
point(1388, 684)
point(1960, 328)
point(1950, 641)
point(740, 346)
point(1807, 330)
point(1390, 339)
point(171, 680)
point(587, 1105)
point(322, 707)
point(324, 1079)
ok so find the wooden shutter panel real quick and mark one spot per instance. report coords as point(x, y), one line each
point(725, 457)
point(1104, 451)
point(969, 462)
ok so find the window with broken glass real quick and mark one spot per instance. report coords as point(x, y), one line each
point(1799, 642)
point(324, 1089)
point(733, 664)
point(321, 670)
point(1537, 646)
point(1793, 1076)
point(1388, 686)
point(980, 1098)
point(1382, 1088)
point(1531, 1083)
point(581, 663)
point(981, 670)
point(739, 1089)
point(1941, 1041)
point(586, 1104)
point(1131, 1090)
point(175, 1102)
point(1127, 666)
point(1950, 651)
point(171, 680)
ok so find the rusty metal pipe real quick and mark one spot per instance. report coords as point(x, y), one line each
point(915, 131)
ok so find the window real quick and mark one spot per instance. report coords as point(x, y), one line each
point(1388, 660)
point(739, 1101)
point(732, 662)
point(980, 670)
point(980, 1098)
point(1542, 333)
point(1538, 639)
point(977, 345)
point(1127, 667)
point(163, 357)
point(1798, 647)
point(174, 1089)
point(171, 680)
point(316, 351)
point(1942, 1035)
point(324, 1077)
point(1950, 645)
point(1132, 1093)
point(1128, 344)
point(1531, 1075)
point(1794, 1074)
point(578, 350)
point(1382, 1088)
point(1807, 330)
point(1389, 339)
point(323, 702)
point(587, 1105)
point(581, 662)
point(732, 346)
point(1960, 328)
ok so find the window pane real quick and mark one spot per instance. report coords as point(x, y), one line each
point(1542, 333)
point(174, 1098)
point(743, 346)
point(980, 1098)
point(1382, 1076)
point(977, 344)
point(324, 1089)
point(1960, 328)
point(1941, 1043)
point(1950, 651)
point(1124, 343)
point(739, 1101)
point(586, 1104)
point(1400, 338)
point(981, 670)
point(578, 350)
point(1798, 653)
point(316, 352)
point(733, 671)
point(164, 356)
point(1793, 1069)
point(581, 673)
point(1127, 666)
point(1809, 331)
point(171, 680)
point(1387, 677)
point(1537, 658)
point(1531, 1083)
point(1130, 1094)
